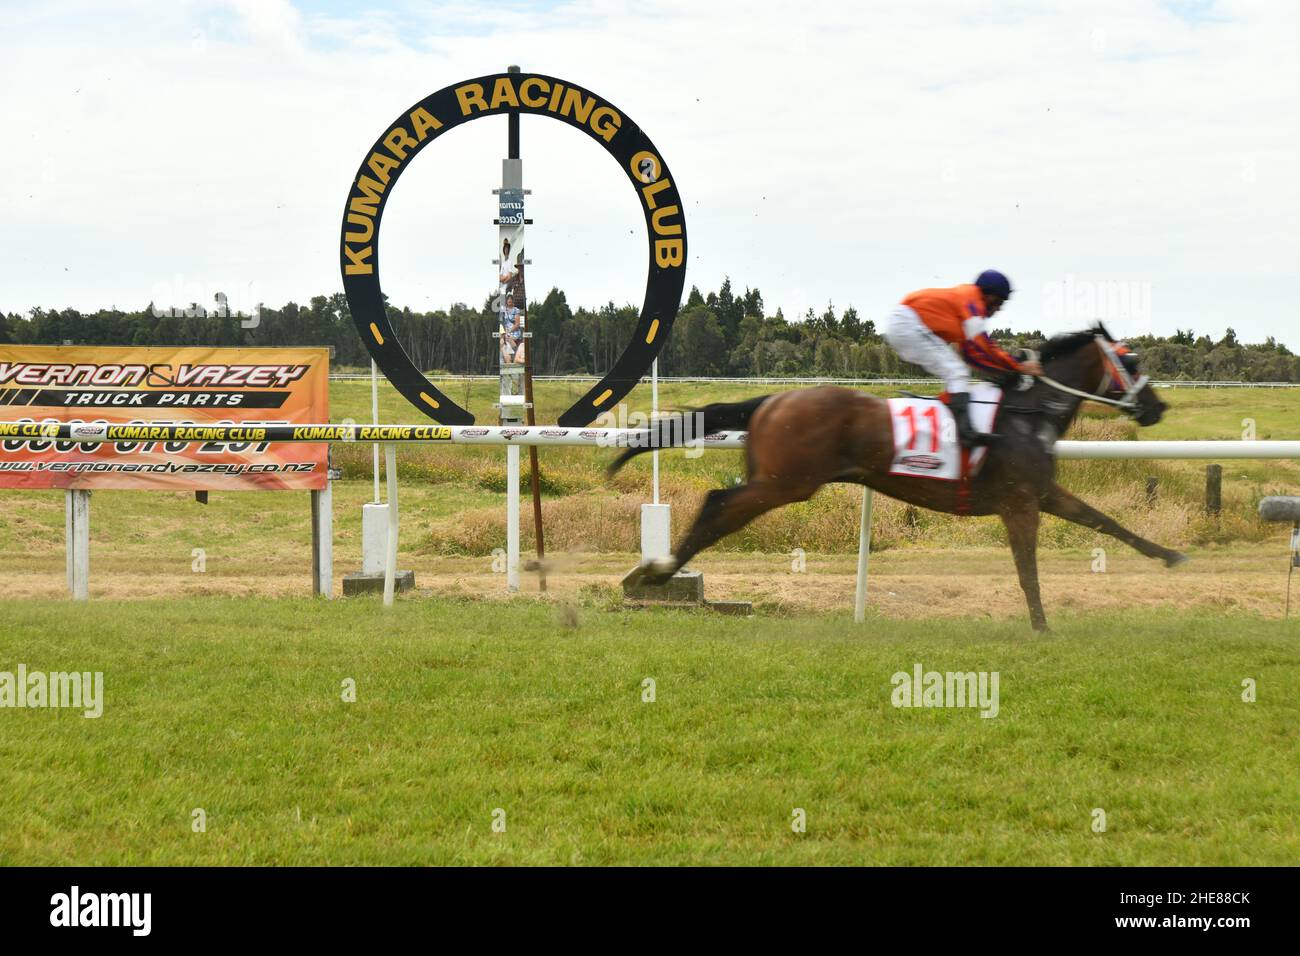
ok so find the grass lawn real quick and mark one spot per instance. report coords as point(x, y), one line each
point(223, 692)
point(463, 708)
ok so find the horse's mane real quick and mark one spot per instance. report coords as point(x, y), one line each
point(1067, 343)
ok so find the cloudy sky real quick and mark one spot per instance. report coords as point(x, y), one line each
point(1125, 159)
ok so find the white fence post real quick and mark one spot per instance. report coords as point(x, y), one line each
point(656, 533)
point(390, 562)
point(864, 554)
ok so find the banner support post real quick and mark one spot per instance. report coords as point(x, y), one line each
point(77, 533)
point(67, 537)
point(322, 540)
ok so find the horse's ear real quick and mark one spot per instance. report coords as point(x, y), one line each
point(1101, 330)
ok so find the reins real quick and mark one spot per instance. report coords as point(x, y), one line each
point(1128, 403)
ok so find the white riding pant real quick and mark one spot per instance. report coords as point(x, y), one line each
point(914, 342)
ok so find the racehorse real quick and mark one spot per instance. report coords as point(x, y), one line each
point(801, 440)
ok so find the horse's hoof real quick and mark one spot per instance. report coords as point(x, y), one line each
point(656, 579)
point(659, 570)
point(1176, 558)
point(652, 573)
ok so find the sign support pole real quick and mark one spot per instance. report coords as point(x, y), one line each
point(77, 535)
point(654, 417)
point(322, 540)
point(530, 411)
point(512, 518)
point(516, 403)
point(374, 415)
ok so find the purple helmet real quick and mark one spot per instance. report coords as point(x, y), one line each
point(992, 281)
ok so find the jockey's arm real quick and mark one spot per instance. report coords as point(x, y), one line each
point(982, 352)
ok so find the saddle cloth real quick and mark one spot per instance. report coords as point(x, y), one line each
point(925, 435)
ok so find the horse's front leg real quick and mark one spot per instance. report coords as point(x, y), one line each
point(1057, 501)
point(1021, 520)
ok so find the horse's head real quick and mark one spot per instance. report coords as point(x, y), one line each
point(1108, 372)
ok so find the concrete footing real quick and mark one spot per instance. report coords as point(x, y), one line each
point(683, 589)
point(362, 583)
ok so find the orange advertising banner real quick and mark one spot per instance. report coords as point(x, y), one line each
point(201, 386)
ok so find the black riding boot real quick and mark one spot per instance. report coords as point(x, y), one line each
point(959, 404)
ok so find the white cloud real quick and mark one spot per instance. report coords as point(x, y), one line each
point(825, 151)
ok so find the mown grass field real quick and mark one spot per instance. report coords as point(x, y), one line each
point(223, 687)
point(463, 709)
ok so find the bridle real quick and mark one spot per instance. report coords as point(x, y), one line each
point(1119, 380)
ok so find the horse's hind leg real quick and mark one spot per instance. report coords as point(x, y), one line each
point(1057, 501)
point(725, 510)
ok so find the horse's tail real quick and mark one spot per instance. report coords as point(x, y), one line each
point(667, 432)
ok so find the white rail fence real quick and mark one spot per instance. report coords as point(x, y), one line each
point(780, 380)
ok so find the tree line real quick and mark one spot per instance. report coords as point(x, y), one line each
point(723, 333)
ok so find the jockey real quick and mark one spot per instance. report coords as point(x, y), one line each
point(923, 328)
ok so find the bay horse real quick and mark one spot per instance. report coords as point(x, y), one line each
point(801, 440)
